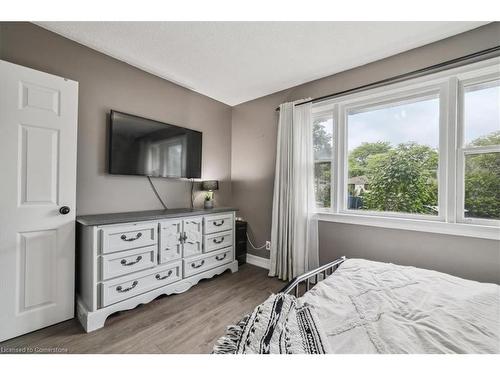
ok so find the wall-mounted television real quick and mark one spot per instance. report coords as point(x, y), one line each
point(144, 147)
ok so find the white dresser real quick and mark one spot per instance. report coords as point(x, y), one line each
point(127, 259)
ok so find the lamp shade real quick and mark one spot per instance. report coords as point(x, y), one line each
point(210, 185)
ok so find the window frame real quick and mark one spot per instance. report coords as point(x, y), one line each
point(403, 96)
point(463, 151)
point(449, 85)
point(327, 115)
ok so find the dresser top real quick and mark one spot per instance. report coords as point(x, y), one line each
point(126, 217)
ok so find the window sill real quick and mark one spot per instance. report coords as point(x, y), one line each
point(430, 226)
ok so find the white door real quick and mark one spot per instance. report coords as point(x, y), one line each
point(38, 127)
point(193, 237)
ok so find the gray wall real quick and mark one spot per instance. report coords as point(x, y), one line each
point(104, 84)
point(467, 257)
point(253, 156)
point(239, 144)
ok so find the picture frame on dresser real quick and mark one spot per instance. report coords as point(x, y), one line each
point(127, 259)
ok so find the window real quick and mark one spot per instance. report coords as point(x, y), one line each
point(323, 153)
point(423, 154)
point(482, 186)
point(481, 105)
point(392, 154)
point(481, 152)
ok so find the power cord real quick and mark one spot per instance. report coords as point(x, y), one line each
point(192, 187)
point(253, 246)
point(156, 193)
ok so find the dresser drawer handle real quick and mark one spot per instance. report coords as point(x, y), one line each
point(220, 241)
point(137, 236)
point(223, 257)
point(119, 289)
point(137, 260)
point(218, 224)
point(194, 265)
point(158, 277)
point(183, 237)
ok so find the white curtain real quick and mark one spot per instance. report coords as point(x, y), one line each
point(294, 231)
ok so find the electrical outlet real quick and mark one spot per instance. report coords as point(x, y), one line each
point(268, 245)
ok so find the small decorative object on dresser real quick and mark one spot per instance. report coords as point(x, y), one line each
point(130, 258)
point(209, 187)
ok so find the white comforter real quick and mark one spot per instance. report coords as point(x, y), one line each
point(372, 307)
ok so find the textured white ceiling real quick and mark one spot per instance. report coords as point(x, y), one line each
point(234, 62)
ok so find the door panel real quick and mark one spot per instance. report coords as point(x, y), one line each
point(37, 274)
point(193, 232)
point(38, 156)
point(38, 125)
point(37, 97)
point(170, 240)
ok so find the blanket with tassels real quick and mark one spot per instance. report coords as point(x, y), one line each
point(277, 326)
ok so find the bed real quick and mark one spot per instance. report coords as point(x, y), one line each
point(362, 306)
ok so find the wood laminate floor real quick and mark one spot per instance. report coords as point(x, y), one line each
point(190, 322)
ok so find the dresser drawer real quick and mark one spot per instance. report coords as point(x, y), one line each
point(217, 241)
point(218, 223)
point(117, 290)
point(125, 237)
point(125, 262)
point(202, 263)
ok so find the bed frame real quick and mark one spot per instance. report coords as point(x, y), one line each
point(311, 278)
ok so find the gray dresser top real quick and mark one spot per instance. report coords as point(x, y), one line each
point(125, 217)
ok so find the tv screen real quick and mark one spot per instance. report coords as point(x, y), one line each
point(139, 146)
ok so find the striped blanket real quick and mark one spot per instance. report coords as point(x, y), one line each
point(277, 326)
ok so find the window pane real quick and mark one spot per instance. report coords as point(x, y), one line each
point(482, 115)
point(482, 182)
point(322, 183)
point(323, 139)
point(323, 146)
point(393, 157)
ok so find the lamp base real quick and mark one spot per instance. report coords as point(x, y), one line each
point(208, 204)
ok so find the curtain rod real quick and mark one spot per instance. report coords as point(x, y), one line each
point(459, 61)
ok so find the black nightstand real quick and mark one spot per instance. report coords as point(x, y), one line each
point(241, 241)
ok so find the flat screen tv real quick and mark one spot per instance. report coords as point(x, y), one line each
point(144, 147)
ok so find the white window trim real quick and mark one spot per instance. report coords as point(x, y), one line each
point(450, 220)
point(428, 226)
point(463, 151)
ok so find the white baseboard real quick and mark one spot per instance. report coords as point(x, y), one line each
point(258, 261)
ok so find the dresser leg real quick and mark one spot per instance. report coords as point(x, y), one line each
point(234, 266)
point(89, 320)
